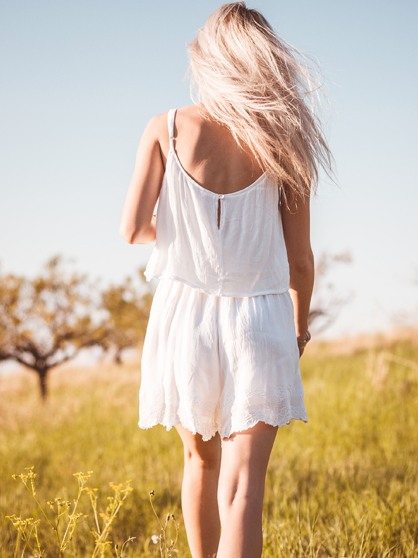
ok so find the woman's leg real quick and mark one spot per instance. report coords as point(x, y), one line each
point(245, 457)
point(199, 492)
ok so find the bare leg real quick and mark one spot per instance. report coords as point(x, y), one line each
point(199, 492)
point(245, 457)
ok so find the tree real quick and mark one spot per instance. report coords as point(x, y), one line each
point(47, 320)
point(326, 303)
point(127, 307)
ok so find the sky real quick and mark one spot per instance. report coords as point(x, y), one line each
point(79, 81)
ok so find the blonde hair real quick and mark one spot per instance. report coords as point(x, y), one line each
point(251, 81)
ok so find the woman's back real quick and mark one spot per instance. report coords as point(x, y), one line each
point(223, 238)
point(209, 153)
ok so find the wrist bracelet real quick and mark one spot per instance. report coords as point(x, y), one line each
point(302, 341)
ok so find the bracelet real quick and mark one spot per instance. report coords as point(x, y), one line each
point(302, 341)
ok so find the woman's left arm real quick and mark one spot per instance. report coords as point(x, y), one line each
point(296, 229)
point(138, 223)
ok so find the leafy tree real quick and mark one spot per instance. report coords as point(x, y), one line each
point(47, 320)
point(127, 306)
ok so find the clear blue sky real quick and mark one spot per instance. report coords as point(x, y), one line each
point(79, 80)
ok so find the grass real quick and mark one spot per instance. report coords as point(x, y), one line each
point(342, 486)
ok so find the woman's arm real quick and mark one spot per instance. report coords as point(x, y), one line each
point(138, 224)
point(296, 229)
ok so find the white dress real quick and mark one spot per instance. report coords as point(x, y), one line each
point(220, 352)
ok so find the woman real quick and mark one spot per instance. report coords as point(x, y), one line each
point(232, 174)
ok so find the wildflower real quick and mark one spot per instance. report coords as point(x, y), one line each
point(155, 539)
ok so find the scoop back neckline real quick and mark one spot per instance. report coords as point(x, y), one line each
point(193, 182)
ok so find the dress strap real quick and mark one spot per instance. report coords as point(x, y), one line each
point(170, 121)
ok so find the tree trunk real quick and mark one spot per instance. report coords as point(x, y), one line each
point(117, 359)
point(42, 375)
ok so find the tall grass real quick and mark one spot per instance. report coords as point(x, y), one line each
point(343, 485)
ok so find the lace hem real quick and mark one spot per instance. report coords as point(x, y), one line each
point(207, 431)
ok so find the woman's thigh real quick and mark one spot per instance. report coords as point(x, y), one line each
point(245, 457)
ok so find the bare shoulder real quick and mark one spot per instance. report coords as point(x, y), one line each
point(194, 122)
point(189, 111)
point(189, 115)
point(155, 126)
point(155, 134)
point(187, 120)
point(156, 129)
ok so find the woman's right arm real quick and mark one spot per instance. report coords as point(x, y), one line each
point(137, 223)
point(296, 229)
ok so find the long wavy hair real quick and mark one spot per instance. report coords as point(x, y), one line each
point(253, 82)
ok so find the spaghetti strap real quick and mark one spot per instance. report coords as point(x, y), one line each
point(170, 122)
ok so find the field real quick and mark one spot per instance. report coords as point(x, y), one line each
point(343, 485)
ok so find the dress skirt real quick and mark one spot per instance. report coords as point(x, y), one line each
point(219, 363)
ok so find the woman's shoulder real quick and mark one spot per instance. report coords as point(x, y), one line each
point(156, 130)
point(158, 124)
point(188, 111)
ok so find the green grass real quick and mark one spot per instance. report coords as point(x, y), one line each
point(343, 485)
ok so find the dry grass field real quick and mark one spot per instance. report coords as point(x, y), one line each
point(342, 486)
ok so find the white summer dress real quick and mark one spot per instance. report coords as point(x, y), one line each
point(220, 352)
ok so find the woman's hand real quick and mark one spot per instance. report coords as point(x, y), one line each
point(302, 341)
